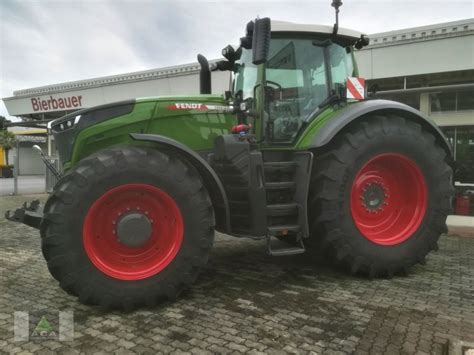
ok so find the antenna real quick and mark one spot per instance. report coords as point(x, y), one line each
point(336, 4)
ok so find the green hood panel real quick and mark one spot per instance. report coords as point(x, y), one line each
point(192, 120)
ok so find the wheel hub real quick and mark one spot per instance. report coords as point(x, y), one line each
point(374, 197)
point(134, 229)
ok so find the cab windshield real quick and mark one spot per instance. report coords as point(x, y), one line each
point(245, 77)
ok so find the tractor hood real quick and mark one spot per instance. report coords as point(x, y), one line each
point(135, 114)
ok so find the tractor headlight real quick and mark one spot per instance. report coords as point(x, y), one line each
point(64, 125)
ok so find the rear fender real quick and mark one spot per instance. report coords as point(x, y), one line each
point(211, 180)
point(357, 111)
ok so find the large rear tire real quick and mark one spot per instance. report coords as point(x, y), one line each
point(380, 196)
point(128, 227)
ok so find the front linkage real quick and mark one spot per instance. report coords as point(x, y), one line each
point(30, 214)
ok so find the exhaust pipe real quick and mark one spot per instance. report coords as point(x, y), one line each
point(204, 75)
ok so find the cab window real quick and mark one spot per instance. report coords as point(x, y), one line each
point(342, 65)
point(296, 85)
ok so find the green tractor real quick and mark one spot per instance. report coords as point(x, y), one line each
point(287, 153)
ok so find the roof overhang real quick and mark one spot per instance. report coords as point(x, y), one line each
point(283, 26)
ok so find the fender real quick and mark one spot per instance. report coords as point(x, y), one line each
point(355, 111)
point(211, 180)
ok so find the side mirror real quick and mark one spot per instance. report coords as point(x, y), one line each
point(261, 40)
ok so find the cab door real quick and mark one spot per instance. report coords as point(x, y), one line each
point(296, 83)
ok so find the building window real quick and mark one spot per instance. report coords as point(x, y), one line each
point(462, 142)
point(455, 29)
point(465, 101)
point(423, 34)
point(412, 100)
point(452, 101)
point(443, 101)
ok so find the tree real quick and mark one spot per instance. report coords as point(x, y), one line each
point(3, 123)
point(7, 142)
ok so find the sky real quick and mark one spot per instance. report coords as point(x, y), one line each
point(46, 42)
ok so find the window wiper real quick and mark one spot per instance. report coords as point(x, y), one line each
point(331, 99)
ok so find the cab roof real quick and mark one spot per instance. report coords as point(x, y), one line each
point(284, 26)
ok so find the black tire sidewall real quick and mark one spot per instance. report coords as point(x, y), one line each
point(423, 156)
point(173, 177)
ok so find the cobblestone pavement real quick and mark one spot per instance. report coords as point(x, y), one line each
point(245, 301)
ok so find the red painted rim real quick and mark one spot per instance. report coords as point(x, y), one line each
point(389, 198)
point(123, 262)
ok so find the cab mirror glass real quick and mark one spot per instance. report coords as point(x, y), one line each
point(261, 40)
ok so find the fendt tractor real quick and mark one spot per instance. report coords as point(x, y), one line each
point(296, 150)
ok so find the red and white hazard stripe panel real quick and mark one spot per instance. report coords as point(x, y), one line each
point(355, 88)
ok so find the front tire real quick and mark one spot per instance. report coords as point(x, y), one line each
point(128, 227)
point(380, 196)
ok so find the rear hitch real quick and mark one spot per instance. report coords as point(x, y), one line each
point(30, 214)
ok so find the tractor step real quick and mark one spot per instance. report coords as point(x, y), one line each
point(287, 251)
point(284, 230)
point(297, 249)
point(279, 166)
point(282, 209)
point(280, 185)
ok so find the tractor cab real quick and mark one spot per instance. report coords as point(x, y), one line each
point(285, 74)
point(305, 69)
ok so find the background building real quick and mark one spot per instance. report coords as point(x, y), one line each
point(430, 68)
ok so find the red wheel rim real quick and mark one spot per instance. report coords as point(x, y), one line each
point(389, 199)
point(125, 262)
